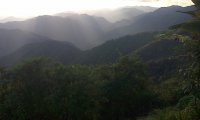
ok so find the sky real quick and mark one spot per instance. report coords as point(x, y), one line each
point(28, 8)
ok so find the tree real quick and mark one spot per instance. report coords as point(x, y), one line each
point(128, 93)
point(189, 34)
point(193, 45)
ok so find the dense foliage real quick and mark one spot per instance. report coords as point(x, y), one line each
point(127, 89)
point(163, 84)
point(188, 106)
point(40, 89)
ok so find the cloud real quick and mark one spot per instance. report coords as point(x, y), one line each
point(166, 2)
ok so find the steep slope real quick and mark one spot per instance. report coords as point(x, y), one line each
point(83, 31)
point(160, 49)
point(110, 51)
point(163, 57)
point(59, 51)
point(11, 40)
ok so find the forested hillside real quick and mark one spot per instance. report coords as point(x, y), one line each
point(151, 73)
point(145, 45)
point(187, 107)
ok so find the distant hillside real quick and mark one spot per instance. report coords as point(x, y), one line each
point(157, 54)
point(159, 20)
point(63, 52)
point(121, 13)
point(86, 31)
point(11, 40)
point(110, 51)
point(162, 57)
point(10, 19)
point(83, 31)
point(144, 45)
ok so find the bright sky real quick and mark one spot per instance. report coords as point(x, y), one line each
point(25, 8)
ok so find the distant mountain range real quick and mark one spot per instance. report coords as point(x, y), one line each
point(114, 15)
point(85, 31)
point(82, 30)
point(159, 20)
point(143, 44)
point(85, 39)
point(10, 19)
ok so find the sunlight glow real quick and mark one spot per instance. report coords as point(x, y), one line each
point(24, 8)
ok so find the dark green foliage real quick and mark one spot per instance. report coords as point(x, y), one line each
point(2, 72)
point(196, 2)
point(165, 68)
point(110, 51)
point(123, 89)
point(192, 72)
point(188, 106)
point(162, 57)
point(40, 89)
point(128, 93)
point(169, 91)
point(160, 49)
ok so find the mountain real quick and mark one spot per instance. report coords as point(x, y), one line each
point(11, 40)
point(143, 45)
point(145, 8)
point(59, 51)
point(110, 51)
point(162, 57)
point(103, 23)
point(83, 31)
point(159, 20)
point(114, 15)
point(153, 52)
point(159, 49)
point(10, 19)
